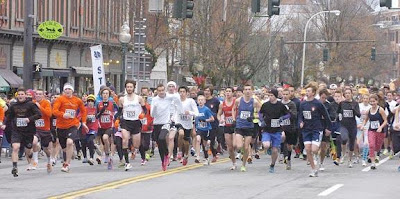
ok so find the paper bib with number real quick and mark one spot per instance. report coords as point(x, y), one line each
point(54, 122)
point(21, 122)
point(71, 112)
point(105, 119)
point(245, 114)
point(144, 121)
point(375, 124)
point(129, 115)
point(347, 113)
point(202, 124)
point(91, 117)
point(229, 120)
point(285, 122)
point(39, 123)
point(184, 117)
point(307, 115)
point(275, 123)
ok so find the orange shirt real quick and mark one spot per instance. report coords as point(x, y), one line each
point(44, 122)
point(69, 105)
point(1, 114)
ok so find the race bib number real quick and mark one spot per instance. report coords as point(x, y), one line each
point(129, 114)
point(340, 116)
point(347, 113)
point(71, 112)
point(307, 115)
point(39, 123)
point(244, 115)
point(144, 121)
point(229, 120)
point(105, 119)
point(21, 122)
point(166, 127)
point(275, 123)
point(54, 122)
point(91, 118)
point(285, 122)
point(202, 124)
point(184, 117)
point(375, 124)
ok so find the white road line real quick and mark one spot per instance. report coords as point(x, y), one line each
point(380, 162)
point(330, 190)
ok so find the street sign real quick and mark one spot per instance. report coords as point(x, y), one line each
point(50, 30)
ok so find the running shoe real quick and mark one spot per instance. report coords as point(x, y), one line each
point(34, 165)
point(147, 157)
point(314, 173)
point(192, 151)
point(364, 163)
point(373, 166)
point(143, 162)
point(65, 168)
point(91, 161)
point(79, 156)
point(342, 159)
point(30, 167)
point(167, 160)
point(215, 158)
point(377, 160)
point(128, 166)
point(369, 160)
point(185, 161)
point(288, 165)
point(385, 152)
point(109, 164)
point(121, 164)
point(257, 156)
point(197, 160)
point(269, 151)
point(206, 161)
point(297, 156)
point(391, 155)
point(238, 156)
point(321, 167)
point(53, 161)
point(49, 168)
point(179, 156)
point(356, 161)
point(250, 160)
point(350, 164)
point(243, 169)
point(85, 160)
point(336, 162)
point(271, 169)
point(106, 159)
point(14, 171)
point(98, 160)
point(233, 167)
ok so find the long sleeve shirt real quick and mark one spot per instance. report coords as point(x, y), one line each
point(312, 114)
point(19, 112)
point(44, 122)
point(161, 110)
point(69, 105)
point(186, 120)
point(347, 113)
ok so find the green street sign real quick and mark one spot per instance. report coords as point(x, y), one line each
point(50, 30)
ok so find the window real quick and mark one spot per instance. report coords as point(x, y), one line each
point(90, 14)
point(59, 11)
point(43, 10)
point(103, 15)
point(19, 9)
point(75, 13)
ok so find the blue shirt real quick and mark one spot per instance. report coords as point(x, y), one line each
point(312, 114)
point(245, 110)
point(204, 114)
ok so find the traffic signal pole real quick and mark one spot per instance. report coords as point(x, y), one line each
point(28, 30)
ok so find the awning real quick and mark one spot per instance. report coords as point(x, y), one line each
point(46, 72)
point(11, 78)
point(82, 70)
point(4, 86)
point(61, 73)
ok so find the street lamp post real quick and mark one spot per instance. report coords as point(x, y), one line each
point(124, 38)
point(336, 12)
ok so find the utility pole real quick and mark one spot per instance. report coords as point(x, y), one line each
point(28, 30)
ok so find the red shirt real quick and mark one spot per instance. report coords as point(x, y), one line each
point(107, 118)
point(147, 120)
point(227, 111)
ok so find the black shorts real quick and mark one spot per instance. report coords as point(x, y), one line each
point(245, 132)
point(159, 133)
point(108, 132)
point(229, 129)
point(45, 137)
point(186, 132)
point(25, 139)
point(291, 136)
point(256, 130)
point(64, 134)
point(205, 135)
point(133, 126)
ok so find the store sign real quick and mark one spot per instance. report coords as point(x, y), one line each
point(50, 30)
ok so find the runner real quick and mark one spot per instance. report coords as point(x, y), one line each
point(245, 107)
point(65, 108)
point(105, 110)
point(213, 104)
point(23, 114)
point(88, 137)
point(274, 113)
point(176, 109)
point(43, 127)
point(225, 117)
point(363, 130)
point(203, 127)
point(311, 121)
point(185, 122)
point(289, 126)
point(347, 111)
point(55, 149)
point(326, 138)
point(377, 121)
point(130, 106)
point(147, 129)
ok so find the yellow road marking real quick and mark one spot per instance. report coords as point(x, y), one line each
point(119, 183)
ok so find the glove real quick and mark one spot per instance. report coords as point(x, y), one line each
point(250, 119)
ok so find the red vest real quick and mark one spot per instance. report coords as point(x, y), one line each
point(227, 111)
point(147, 120)
point(107, 118)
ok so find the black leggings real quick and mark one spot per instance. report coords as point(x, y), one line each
point(352, 134)
point(212, 136)
point(144, 144)
point(88, 142)
point(160, 136)
point(118, 145)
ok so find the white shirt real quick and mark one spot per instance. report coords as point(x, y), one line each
point(364, 110)
point(175, 106)
point(161, 108)
point(187, 120)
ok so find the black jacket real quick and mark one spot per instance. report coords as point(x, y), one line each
point(26, 109)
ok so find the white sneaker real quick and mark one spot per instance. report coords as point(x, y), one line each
point(314, 173)
point(356, 161)
point(350, 164)
point(321, 167)
point(233, 167)
point(342, 159)
point(364, 163)
point(128, 166)
point(29, 168)
point(238, 156)
point(206, 161)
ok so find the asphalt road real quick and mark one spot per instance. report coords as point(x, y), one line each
point(198, 181)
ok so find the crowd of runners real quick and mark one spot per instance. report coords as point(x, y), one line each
point(341, 125)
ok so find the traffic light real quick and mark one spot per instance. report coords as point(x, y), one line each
point(373, 53)
point(255, 6)
point(36, 67)
point(386, 3)
point(273, 7)
point(178, 6)
point(325, 54)
point(187, 11)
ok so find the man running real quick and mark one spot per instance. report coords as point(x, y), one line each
point(289, 126)
point(226, 117)
point(65, 109)
point(23, 114)
point(213, 104)
point(245, 108)
point(176, 109)
point(131, 106)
